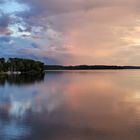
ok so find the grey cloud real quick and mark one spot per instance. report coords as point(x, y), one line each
point(41, 10)
point(2, 1)
point(5, 31)
point(54, 7)
point(4, 20)
point(5, 39)
point(4, 24)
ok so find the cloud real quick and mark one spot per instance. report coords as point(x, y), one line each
point(2, 1)
point(4, 20)
point(74, 32)
point(4, 39)
point(4, 24)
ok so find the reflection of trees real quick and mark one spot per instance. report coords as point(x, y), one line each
point(21, 79)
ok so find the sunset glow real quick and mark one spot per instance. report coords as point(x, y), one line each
point(71, 32)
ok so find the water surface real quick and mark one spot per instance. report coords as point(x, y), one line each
point(72, 105)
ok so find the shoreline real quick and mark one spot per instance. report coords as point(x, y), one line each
point(89, 67)
point(90, 70)
point(49, 70)
point(20, 73)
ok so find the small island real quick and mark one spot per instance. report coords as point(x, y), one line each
point(19, 65)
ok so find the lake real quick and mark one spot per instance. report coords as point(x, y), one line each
point(71, 105)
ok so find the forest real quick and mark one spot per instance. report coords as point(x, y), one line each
point(20, 65)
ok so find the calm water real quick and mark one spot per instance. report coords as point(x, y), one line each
point(91, 105)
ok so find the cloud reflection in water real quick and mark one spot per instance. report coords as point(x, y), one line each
point(73, 105)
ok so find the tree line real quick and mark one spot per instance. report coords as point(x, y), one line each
point(89, 67)
point(20, 65)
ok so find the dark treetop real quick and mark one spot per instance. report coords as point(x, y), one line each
point(21, 65)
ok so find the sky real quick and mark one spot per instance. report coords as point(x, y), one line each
point(71, 32)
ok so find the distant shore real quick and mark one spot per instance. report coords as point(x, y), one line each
point(88, 67)
point(29, 66)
